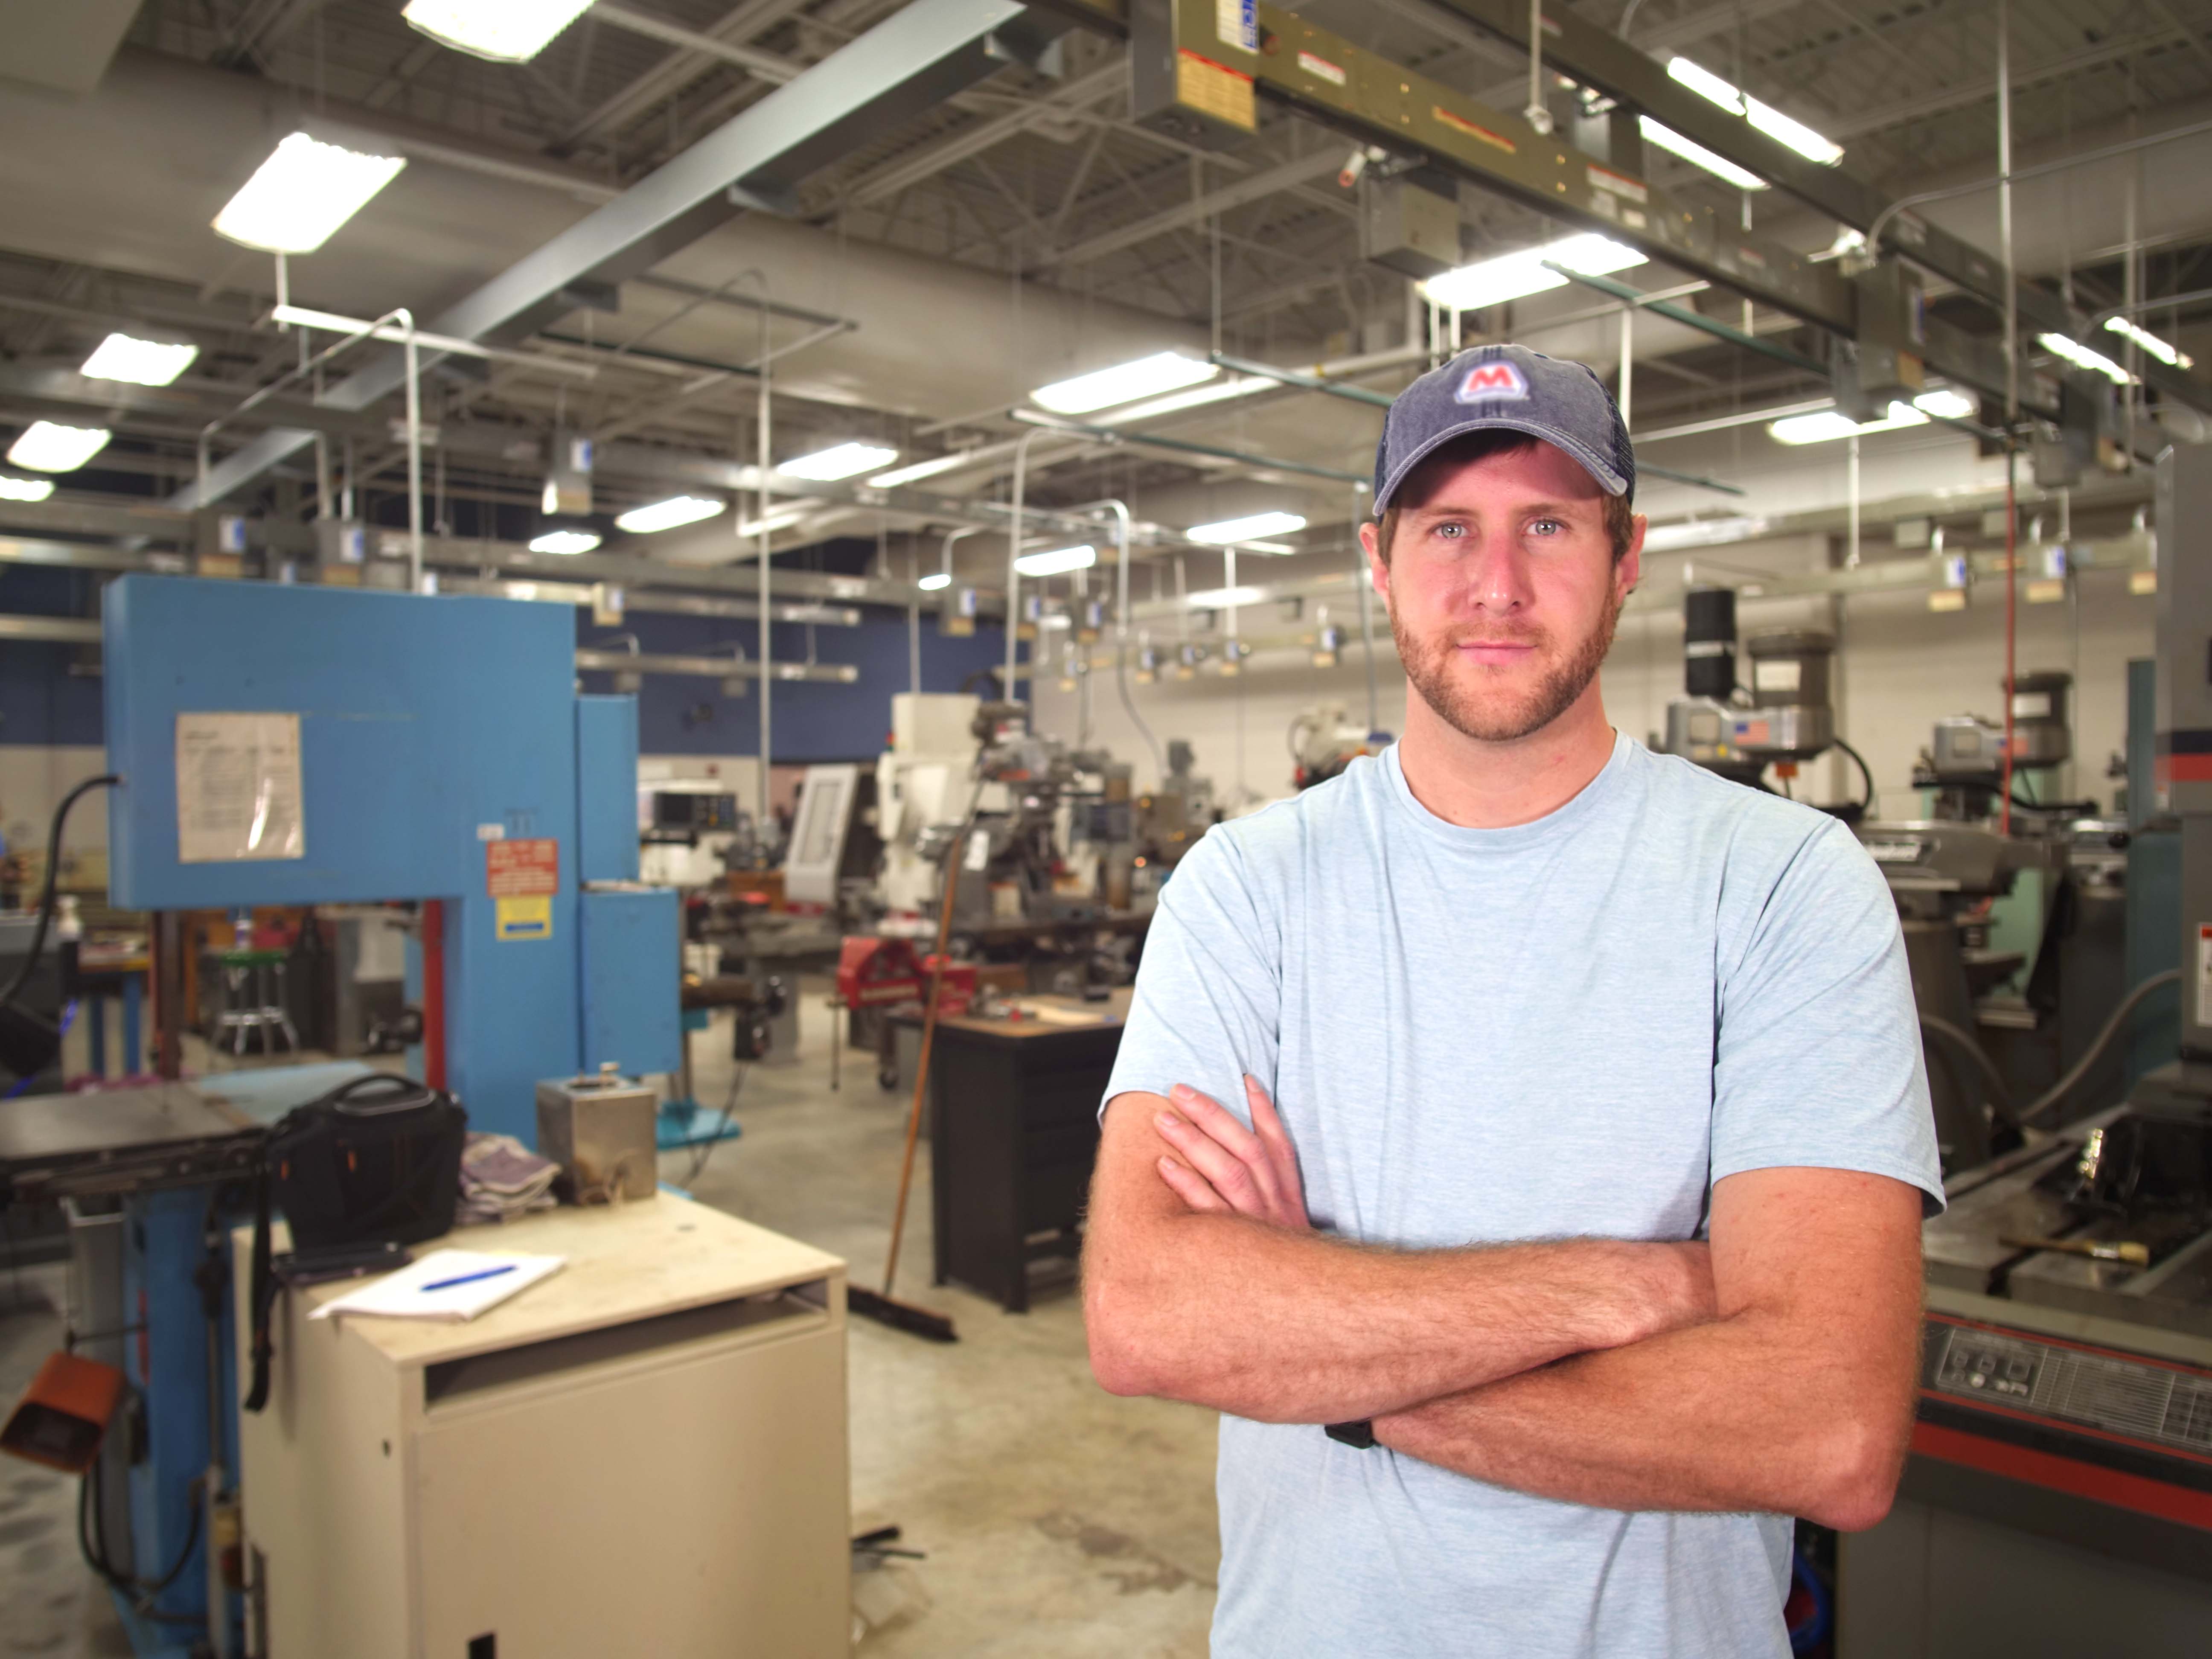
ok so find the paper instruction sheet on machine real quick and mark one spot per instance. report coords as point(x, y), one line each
point(238, 788)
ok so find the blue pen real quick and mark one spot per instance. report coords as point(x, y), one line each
point(468, 1278)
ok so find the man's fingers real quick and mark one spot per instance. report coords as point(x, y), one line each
point(1283, 1158)
point(1267, 1122)
point(1218, 1121)
point(1191, 1187)
point(1231, 1176)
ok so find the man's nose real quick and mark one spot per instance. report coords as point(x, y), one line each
point(1497, 577)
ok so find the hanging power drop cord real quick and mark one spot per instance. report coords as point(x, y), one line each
point(28, 1042)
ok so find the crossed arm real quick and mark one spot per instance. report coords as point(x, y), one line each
point(1773, 1373)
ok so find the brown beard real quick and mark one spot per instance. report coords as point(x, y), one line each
point(1494, 717)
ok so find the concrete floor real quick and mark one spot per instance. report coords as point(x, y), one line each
point(1055, 1519)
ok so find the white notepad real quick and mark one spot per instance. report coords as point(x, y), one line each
point(406, 1294)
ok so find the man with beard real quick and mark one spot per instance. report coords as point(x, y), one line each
point(1584, 1249)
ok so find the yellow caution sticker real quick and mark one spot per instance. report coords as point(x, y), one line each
point(524, 915)
point(1210, 89)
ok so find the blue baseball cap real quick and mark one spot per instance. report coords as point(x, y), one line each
point(1513, 389)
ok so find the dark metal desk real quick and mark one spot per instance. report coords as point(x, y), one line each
point(1014, 1136)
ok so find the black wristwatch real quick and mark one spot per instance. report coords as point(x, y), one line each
point(1359, 1435)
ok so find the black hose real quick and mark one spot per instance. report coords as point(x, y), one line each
point(1962, 1043)
point(2065, 1085)
point(53, 874)
point(1866, 776)
point(92, 1544)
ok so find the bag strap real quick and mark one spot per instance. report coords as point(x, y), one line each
point(402, 1094)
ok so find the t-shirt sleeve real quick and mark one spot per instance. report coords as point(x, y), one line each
point(1208, 998)
point(1817, 1060)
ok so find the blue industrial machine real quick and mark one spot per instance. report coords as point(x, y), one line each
point(286, 746)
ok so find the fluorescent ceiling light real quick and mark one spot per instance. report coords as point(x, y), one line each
point(1514, 275)
point(1196, 397)
point(25, 489)
point(1831, 423)
point(666, 515)
point(780, 518)
point(1225, 598)
point(1244, 529)
point(1949, 404)
point(1701, 532)
point(564, 541)
point(1719, 165)
point(1812, 146)
point(933, 582)
point(47, 446)
point(142, 362)
point(838, 461)
point(2171, 356)
point(918, 470)
point(2074, 352)
point(1059, 559)
point(1102, 388)
point(302, 193)
point(505, 30)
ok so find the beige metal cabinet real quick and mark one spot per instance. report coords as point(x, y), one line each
point(643, 1454)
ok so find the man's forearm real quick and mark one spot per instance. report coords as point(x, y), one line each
point(1738, 1413)
point(1297, 1328)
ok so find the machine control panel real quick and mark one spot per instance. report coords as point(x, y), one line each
point(2166, 1405)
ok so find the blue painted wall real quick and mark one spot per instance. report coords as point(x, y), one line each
point(41, 701)
point(810, 722)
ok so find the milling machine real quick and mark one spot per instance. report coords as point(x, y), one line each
point(2058, 1497)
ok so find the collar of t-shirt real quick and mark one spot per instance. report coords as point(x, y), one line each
point(1560, 821)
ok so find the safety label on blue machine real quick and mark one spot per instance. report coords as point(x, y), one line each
point(528, 916)
point(238, 788)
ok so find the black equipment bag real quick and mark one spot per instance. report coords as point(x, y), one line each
point(377, 1159)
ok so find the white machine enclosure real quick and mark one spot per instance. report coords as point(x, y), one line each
point(644, 1454)
point(924, 780)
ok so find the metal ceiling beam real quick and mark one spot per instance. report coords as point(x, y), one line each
point(1599, 58)
point(1303, 170)
point(916, 58)
point(761, 65)
point(887, 180)
point(1981, 91)
point(668, 77)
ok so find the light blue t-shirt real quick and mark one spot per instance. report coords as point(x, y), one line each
point(1568, 1028)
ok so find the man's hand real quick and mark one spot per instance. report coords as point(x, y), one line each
point(1225, 1168)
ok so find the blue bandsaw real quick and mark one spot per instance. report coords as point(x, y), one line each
point(294, 745)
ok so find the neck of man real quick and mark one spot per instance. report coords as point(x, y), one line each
point(1495, 786)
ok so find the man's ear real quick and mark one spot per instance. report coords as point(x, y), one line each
point(1631, 570)
point(1379, 572)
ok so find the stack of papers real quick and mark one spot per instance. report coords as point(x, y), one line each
point(451, 1285)
point(501, 1179)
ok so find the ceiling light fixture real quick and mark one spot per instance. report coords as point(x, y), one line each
point(1946, 402)
point(1225, 598)
point(838, 461)
point(505, 30)
point(1794, 134)
point(302, 193)
point(1719, 165)
point(935, 581)
point(917, 470)
point(668, 514)
point(1516, 276)
point(1196, 397)
point(25, 489)
point(2171, 356)
point(142, 362)
point(2079, 355)
point(564, 541)
point(1057, 562)
point(1102, 388)
point(1831, 423)
point(1243, 530)
point(49, 446)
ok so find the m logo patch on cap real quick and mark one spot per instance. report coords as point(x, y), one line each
point(1499, 379)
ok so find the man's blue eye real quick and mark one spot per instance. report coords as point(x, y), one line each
point(1451, 530)
point(1546, 527)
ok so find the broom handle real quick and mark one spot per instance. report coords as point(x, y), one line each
point(951, 881)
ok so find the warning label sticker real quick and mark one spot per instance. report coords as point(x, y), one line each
point(529, 916)
point(520, 869)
